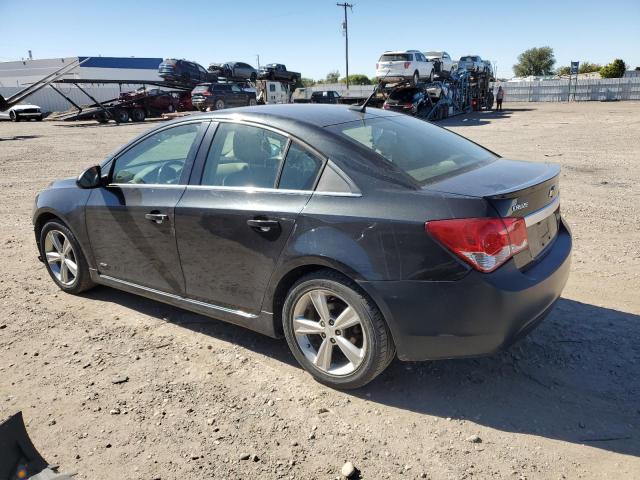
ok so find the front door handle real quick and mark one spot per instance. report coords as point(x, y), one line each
point(263, 225)
point(158, 218)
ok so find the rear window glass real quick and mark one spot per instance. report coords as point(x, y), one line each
point(395, 57)
point(421, 150)
point(201, 88)
point(403, 95)
point(433, 54)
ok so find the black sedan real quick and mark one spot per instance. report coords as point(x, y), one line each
point(358, 236)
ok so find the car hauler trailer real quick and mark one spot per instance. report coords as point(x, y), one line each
point(136, 105)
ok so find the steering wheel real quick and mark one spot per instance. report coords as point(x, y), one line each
point(168, 174)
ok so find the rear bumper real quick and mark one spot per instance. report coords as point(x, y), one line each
point(477, 315)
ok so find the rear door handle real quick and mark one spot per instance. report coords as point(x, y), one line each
point(263, 225)
point(158, 218)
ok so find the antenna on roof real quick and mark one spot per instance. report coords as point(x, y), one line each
point(363, 108)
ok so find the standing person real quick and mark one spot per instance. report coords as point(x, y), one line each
point(489, 102)
point(499, 98)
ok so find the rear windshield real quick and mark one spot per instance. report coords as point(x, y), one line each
point(403, 95)
point(432, 54)
point(421, 150)
point(395, 57)
point(466, 59)
point(201, 88)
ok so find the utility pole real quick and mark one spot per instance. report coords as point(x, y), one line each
point(346, 36)
point(258, 59)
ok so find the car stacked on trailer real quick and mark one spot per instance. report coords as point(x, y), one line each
point(218, 96)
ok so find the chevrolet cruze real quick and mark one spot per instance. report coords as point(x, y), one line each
point(357, 235)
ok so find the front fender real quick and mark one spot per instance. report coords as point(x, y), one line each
point(68, 205)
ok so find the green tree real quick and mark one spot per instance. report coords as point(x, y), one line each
point(535, 61)
point(307, 82)
point(357, 79)
point(615, 69)
point(564, 70)
point(332, 77)
point(587, 67)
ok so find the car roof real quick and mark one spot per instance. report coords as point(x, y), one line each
point(311, 115)
point(400, 51)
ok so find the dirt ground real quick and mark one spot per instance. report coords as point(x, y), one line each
point(202, 394)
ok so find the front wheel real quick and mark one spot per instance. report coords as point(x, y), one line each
point(431, 76)
point(219, 105)
point(416, 78)
point(14, 117)
point(252, 102)
point(335, 331)
point(63, 258)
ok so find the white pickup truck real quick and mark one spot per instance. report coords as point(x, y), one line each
point(444, 64)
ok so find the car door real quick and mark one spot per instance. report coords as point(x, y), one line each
point(233, 222)
point(240, 98)
point(131, 220)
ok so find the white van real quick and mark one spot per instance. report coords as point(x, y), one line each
point(270, 92)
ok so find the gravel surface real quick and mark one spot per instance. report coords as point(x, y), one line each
point(198, 398)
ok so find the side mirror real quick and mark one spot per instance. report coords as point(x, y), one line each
point(90, 178)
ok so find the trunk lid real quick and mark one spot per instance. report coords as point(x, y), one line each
point(515, 189)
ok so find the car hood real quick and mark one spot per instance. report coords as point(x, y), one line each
point(63, 183)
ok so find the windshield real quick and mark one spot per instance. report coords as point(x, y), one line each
point(433, 54)
point(395, 57)
point(405, 95)
point(419, 149)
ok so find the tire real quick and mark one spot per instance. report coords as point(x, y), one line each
point(171, 108)
point(252, 102)
point(416, 78)
point(81, 279)
point(101, 118)
point(370, 336)
point(121, 116)
point(431, 76)
point(39, 119)
point(14, 117)
point(219, 104)
point(138, 115)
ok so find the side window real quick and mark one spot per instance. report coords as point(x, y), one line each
point(159, 158)
point(235, 89)
point(244, 156)
point(272, 87)
point(300, 169)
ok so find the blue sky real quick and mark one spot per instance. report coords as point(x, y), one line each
point(307, 35)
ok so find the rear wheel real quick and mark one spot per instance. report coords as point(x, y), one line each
point(416, 78)
point(13, 116)
point(335, 331)
point(431, 76)
point(252, 102)
point(138, 115)
point(63, 258)
point(219, 105)
point(121, 116)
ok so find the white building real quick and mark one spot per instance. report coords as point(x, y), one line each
point(14, 76)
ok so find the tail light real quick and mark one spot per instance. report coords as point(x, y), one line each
point(206, 93)
point(484, 243)
point(386, 107)
point(407, 64)
point(408, 105)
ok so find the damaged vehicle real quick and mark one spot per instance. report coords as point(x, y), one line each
point(358, 234)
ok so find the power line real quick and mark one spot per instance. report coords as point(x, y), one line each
point(346, 37)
